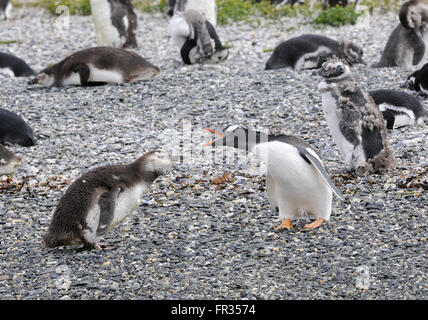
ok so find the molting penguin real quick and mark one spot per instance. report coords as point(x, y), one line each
point(296, 180)
point(97, 65)
point(406, 46)
point(9, 163)
point(101, 198)
point(194, 36)
point(355, 121)
point(413, 14)
point(14, 130)
point(309, 51)
point(208, 8)
point(5, 9)
point(418, 80)
point(115, 23)
point(13, 66)
point(399, 108)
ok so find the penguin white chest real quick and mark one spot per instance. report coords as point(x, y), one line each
point(7, 72)
point(179, 30)
point(106, 33)
point(329, 106)
point(126, 203)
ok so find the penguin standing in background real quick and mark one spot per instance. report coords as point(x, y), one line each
point(5, 9)
point(9, 162)
point(14, 130)
point(115, 23)
point(310, 51)
point(407, 44)
point(208, 8)
point(13, 66)
point(101, 198)
point(418, 81)
point(194, 36)
point(354, 120)
point(98, 65)
point(399, 108)
point(296, 180)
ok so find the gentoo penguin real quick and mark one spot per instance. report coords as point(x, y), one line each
point(101, 198)
point(296, 180)
point(5, 9)
point(309, 51)
point(115, 23)
point(14, 130)
point(418, 80)
point(97, 65)
point(399, 108)
point(13, 66)
point(406, 46)
point(194, 36)
point(208, 8)
point(9, 162)
point(355, 121)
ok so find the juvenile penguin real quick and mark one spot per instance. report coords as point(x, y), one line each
point(5, 9)
point(296, 180)
point(418, 80)
point(9, 162)
point(101, 198)
point(115, 23)
point(407, 44)
point(208, 8)
point(399, 108)
point(355, 121)
point(194, 36)
point(413, 14)
point(14, 130)
point(13, 66)
point(97, 65)
point(309, 51)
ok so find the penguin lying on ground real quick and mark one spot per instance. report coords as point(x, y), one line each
point(9, 162)
point(355, 121)
point(96, 66)
point(309, 51)
point(13, 66)
point(194, 37)
point(115, 23)
point(418, 81)
point(296, 180)
point(399, 108)
point(101, 198)
point(5, 9)
point(208, 8)
point(14, 130)
point(406, 46)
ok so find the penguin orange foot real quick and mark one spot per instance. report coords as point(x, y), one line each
point(285, 224)
point(314, 224)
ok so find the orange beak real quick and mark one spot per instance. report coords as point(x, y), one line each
point(217, 133)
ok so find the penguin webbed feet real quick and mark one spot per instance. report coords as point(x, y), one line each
point(285, 224)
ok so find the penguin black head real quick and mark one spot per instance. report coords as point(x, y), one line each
point(238, 138)
point(335, 69)
point(45, 78)
point(353, 54)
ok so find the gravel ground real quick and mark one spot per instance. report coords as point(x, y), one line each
point(194, 238)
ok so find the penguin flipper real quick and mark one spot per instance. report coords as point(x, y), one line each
point(107, 203)
point(213, 34)
point(185, 50)
point(321, 170)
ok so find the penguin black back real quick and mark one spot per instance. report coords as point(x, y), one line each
point(14, 130)
point(18, 66)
